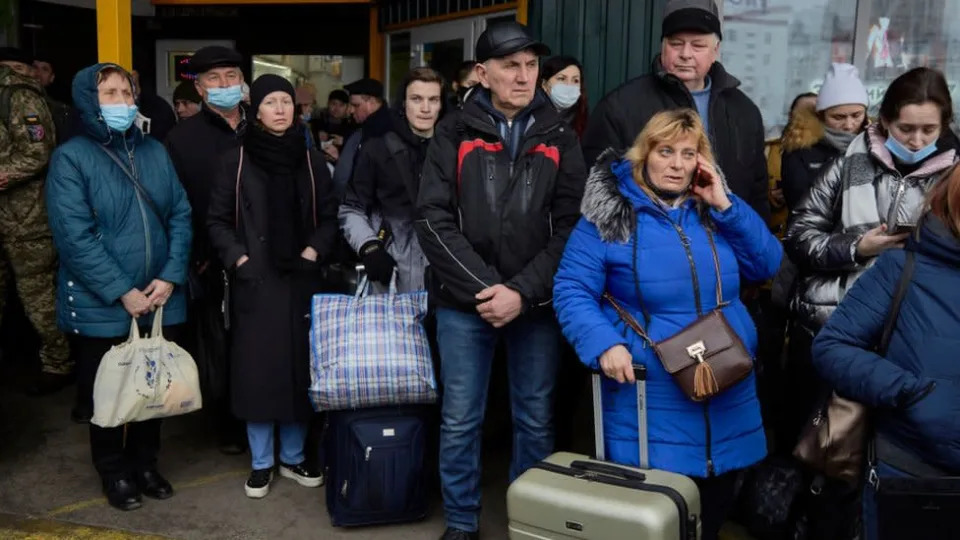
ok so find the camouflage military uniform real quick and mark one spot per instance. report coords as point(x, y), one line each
point(26, 142)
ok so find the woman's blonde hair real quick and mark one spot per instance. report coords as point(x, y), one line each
point(667, 126)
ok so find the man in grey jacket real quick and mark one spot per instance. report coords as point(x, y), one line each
point(378, 210)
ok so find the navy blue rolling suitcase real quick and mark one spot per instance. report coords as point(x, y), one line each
point(375, 465)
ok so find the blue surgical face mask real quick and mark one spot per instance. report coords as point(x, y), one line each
point(225, 98)
point(119, 117)
point(905, 155)
point(564, 96)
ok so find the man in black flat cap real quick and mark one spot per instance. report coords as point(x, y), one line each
point(373, 119)
point(687, 74)
point(195, 145)
point(499, 194)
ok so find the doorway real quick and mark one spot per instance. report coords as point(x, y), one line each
point(442, 46)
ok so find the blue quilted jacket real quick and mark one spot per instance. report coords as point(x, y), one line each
point(691, 438)
point(110, 239)
point(922, 352)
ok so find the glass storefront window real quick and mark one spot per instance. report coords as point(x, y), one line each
point(781, 48)
point(323, 73)
point(894, 37)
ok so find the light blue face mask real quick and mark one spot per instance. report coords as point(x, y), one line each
point(905, 155)
point(119, 117)
point(564, 96)
point(225, 98)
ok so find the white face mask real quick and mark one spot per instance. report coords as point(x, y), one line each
point(564, 96)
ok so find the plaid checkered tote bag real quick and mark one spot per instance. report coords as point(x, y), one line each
point(370, 350)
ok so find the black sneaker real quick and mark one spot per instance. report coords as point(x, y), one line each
point(81, 413)
point(457, 534)
point(302, 475)
point(258, 485)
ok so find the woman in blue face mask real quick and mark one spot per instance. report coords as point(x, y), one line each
point(561, 77)
point(121, 224)
point(870, 198)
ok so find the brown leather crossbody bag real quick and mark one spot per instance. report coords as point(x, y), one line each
point(707, 356)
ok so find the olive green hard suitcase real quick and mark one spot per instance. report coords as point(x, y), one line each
point(571, 496)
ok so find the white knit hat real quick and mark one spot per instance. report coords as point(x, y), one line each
point(841, 86)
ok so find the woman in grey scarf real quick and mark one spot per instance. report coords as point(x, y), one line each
point(813, 139)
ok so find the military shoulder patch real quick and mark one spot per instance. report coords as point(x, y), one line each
point(34, 128)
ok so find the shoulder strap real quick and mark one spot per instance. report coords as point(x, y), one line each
point(904, 284)
point(627, 318)
point(6, 94)
point(313, 188)
point(131, 175)
point(236, 209)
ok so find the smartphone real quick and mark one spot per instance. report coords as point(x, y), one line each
point(325, 144)
point(904, 228)
point(701, 179)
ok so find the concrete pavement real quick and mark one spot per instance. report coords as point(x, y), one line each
point(47, 475)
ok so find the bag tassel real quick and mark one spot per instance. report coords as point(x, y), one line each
point(704, 381)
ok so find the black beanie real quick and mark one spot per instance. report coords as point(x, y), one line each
point(266, 85)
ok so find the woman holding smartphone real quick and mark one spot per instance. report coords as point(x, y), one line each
point(658, 225)
point(870, 199)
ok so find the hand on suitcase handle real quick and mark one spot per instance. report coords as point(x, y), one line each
point(616, 363)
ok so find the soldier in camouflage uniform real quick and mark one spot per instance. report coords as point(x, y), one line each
point(27, 138)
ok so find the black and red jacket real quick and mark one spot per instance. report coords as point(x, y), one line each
point(487, 218)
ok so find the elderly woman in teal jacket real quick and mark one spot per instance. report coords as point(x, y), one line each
point(121, 225)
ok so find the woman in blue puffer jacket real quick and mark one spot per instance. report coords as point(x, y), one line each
point(627, 240)
point(123, 253)
point(913, 391)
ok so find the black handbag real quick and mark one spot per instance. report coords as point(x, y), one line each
point(923, 505)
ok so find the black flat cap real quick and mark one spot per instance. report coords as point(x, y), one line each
point(365, 87)
point(691, 16)
point(212, 57)
point(506, 38)
point(13, 54)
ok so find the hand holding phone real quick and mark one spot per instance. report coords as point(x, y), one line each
point(701, 178)
point(708, 186)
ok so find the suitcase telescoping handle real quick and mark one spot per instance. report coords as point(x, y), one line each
point(640, 374)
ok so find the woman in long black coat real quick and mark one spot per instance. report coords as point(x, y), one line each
point(273, 220)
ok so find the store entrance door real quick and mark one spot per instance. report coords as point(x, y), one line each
point(445, 46)
point(442, 46)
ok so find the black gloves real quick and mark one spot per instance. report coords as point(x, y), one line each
point(378, 263)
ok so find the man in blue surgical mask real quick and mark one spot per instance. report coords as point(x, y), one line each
point(195, 145)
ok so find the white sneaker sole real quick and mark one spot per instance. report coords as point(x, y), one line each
point(258, 493)
point(305, 482)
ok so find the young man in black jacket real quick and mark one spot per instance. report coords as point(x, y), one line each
point(499, 195)
point(687, 74)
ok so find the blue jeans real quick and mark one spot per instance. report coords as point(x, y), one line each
point(467, 344)
point(292, 438)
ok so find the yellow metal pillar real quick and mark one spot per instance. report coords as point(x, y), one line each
point(114, 43)
point(523, 11)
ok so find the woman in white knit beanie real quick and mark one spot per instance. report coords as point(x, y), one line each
point(815, 138)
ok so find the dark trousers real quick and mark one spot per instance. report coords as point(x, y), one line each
point(716, 502)
point(121, 451)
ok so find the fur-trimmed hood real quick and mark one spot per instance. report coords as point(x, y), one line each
point(611, 198)
point(804, 130)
